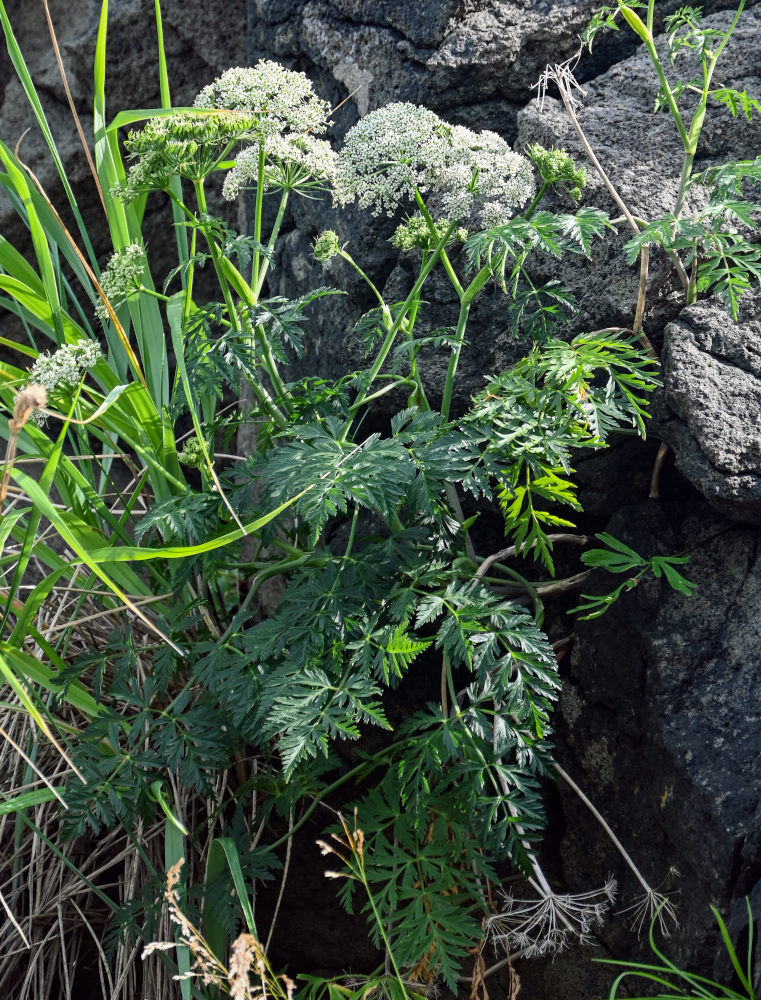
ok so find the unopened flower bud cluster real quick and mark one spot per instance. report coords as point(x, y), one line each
point(192, 453)
point(556, 167)
point(326, 246)
point(415, 232)
point(186, 144)
point(400, 148)
point(122, 275)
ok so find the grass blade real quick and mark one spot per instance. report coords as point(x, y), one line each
point(731, 951)
point(32, 670)
point(133, 553)
point(25, 79)
point(36, 797)
point(225, 849)
point(174, 854)
point(39, 238)
point(23, 696)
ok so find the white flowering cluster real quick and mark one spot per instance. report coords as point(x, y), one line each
point(463, 175)
point(290, 116)
point(284, 98)
point(151, 171)
point(122, 275)
point(291, 162)
point(64, 367)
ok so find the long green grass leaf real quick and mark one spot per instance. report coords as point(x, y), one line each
point(40, 307)
point(105, 160)
point(54, 229)
point(25, 800)
point(133, 115)
point(25, 79)
point(76, 694)
point(133, 553)
point(80, 538)
point(175, 184)
point(20, 183)
point(34, 713)
point(225, 849)
point(174, 853)
point(731, 951)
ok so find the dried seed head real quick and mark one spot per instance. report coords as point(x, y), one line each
point(33, 397)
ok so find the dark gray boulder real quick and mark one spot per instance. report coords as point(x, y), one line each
point(712, 397)
point(642, 154)
point(659, 719)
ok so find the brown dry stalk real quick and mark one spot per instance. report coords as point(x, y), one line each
point(70, 99)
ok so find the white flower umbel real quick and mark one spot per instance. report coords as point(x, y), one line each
point(64, 368)
point(401, 148)
point(122, 275)
point(292, 162)
point(547, 925)
point(283, 96)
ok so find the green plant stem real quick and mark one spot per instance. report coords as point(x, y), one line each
point(684, 181)
point(153, 293)
point(539, 195)
point(191, 274)
point(370, 284)
point(462, 320)
point(269, 363)
point(258, 216)
point(692, 288)
point(645, 33)
point(396, 384)
point(259, 282)
point(284, 566)
point(215, 255)
point(667, 92)
point(466, 296)
point(390, 336)
point(447, 669)
point(691, 138)
point(421, 399)
point(352, 532)
point(359, 770)
point(444, 258)
point(380, 925)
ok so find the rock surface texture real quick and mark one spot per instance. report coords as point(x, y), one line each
point(660, 717)
point(660, 712)
point(712, 389)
